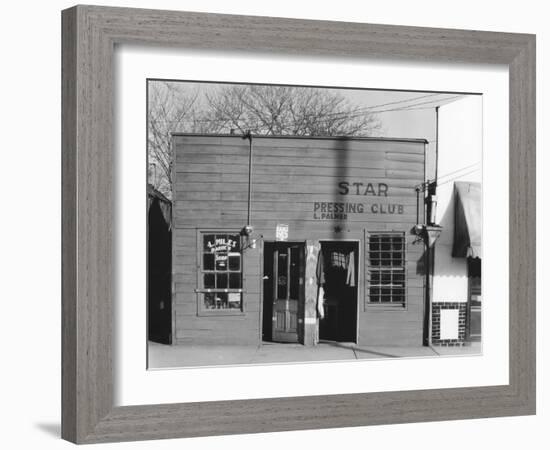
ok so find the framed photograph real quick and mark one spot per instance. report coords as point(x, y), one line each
point(267, 229)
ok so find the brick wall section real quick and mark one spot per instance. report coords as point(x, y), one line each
point(436, 324)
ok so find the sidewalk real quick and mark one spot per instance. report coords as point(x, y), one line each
point(166, 356)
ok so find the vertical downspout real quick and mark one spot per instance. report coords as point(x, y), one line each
point(436, 144)
point(248, 136)
point(417, 189)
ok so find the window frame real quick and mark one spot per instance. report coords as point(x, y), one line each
point(368, 304)
point(200, 290)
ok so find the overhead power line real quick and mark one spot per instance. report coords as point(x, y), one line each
point(457, 177)
point(358, 112)
point(458, 170)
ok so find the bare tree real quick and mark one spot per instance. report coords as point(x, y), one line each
point(170, 109)
point(286, 110)
point(264, 110)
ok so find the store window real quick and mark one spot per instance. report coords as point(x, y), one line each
point(386, 268)
point(221, 272)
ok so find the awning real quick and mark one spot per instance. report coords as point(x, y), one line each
point(467, 236)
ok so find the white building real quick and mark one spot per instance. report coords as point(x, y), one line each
point(456, 287)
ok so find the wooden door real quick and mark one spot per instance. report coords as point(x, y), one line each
point(288, 284)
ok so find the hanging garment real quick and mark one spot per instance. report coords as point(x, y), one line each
point(350, 277)
point(320, 271)
point(321, 302)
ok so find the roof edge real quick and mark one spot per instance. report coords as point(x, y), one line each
point(272, 136)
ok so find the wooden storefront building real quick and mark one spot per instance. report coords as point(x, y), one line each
point(330, 251)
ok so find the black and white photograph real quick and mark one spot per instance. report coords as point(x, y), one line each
point(304, 223)
point(274, 225)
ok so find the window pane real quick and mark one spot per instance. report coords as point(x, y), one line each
point(227, 243)
point(282, 281)
point(399, 275)
point(234, 242)
point(374, 291)
point(208, 261)
point(221, 261)
point(386, 277)
point(397, 244)
point(221, 281)
point(221, 300)
point(209, 281)
point(235, 281)
point(337, 259)
point(294, 282)
point(209, 301)
point(374, 258)
point(397, 259)
point(281, 286)
point(234, 300)
point(208, 242)
point(234, 261)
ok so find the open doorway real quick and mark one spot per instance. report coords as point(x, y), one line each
point(338, 321)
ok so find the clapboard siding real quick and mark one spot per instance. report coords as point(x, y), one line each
point(292, 143)
point(294, 181)
point(282, 178)
point(311, 187)
point(300, 228)
point(284, 169)
point(391, 153)
point(241, 206)
point(201, 197)
point(366, 162)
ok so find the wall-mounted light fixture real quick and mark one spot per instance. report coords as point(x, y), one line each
point(428, 233)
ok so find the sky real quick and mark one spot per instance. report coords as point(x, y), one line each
point(402, 114)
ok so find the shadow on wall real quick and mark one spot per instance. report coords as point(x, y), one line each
point(341, 173)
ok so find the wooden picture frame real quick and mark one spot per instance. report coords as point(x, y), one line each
point(89, 37)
